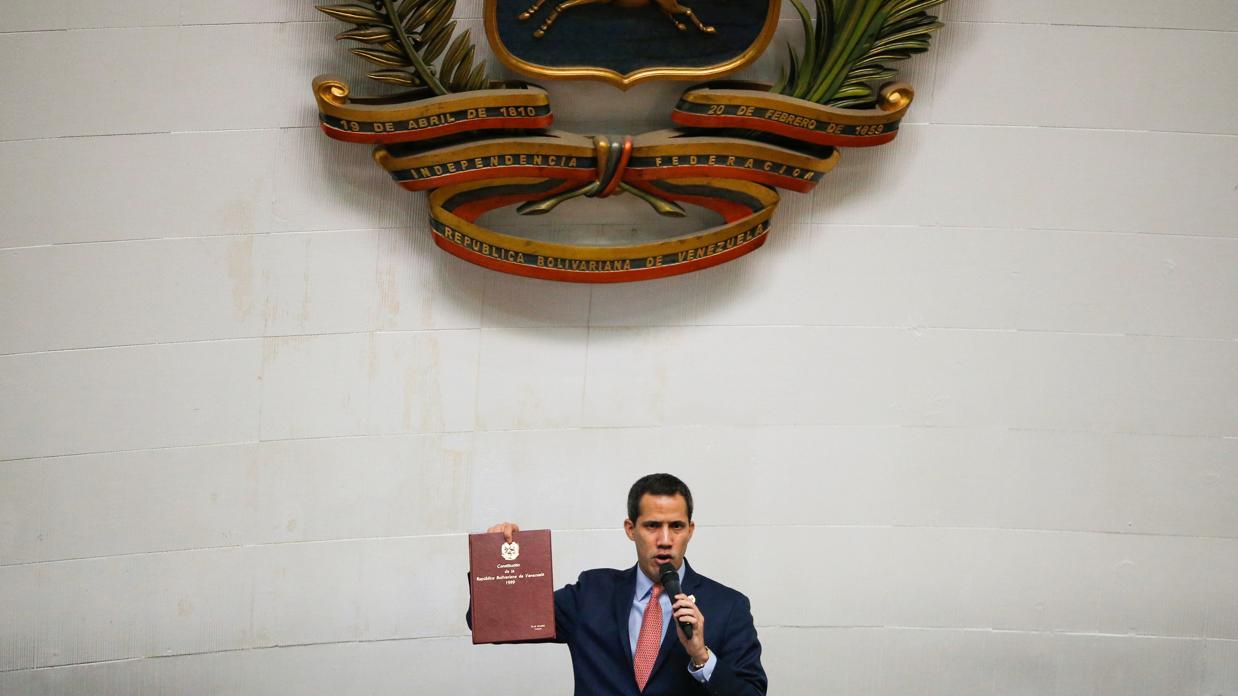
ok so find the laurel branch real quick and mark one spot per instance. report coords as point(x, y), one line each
point(408, 36)
point(844, 54)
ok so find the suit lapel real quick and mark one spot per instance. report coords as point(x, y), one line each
point(690, 579)
point(623, 610)
point(670, 642)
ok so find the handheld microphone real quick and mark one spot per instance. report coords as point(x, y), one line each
point(670, 585)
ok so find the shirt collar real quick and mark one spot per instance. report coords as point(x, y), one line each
point(644, 584)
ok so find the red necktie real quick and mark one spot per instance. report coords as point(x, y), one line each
point(650, 639)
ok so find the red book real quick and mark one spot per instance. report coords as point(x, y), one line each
point(512, 587)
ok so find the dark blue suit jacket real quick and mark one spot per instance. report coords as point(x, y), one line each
point(591, 617)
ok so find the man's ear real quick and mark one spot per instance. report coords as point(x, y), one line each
point(629, 528)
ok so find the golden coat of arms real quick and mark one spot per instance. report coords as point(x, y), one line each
point(477, 144)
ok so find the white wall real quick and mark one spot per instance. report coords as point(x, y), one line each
point(968, 424)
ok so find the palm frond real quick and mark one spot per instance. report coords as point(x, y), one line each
point(412, 34)
point(402, 78)
point(781, 83)
point(477, 80)
point(370, 35)
point(802, 66)
point(846, 51)
point(384, 58)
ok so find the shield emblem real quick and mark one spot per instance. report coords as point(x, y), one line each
point(625, 42)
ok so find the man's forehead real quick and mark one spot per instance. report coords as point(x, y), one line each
point(663, 508)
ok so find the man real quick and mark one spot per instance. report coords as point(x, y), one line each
point(624, 644)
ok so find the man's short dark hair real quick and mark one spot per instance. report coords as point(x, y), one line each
point(657, 484)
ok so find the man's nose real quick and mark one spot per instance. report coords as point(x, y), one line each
point(664, 537)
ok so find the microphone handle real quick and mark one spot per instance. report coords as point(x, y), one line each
point(670, 582)
point(687, 629)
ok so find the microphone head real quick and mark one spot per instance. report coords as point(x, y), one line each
point(666, 569)
point(669, 578)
